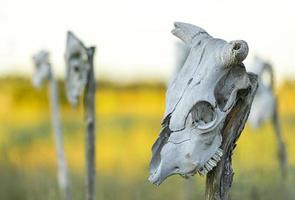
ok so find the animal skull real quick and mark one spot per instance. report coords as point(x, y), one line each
point(181, 53)
point(43, 68)
point(264, 103)
point(77, 66)
point(197, 103)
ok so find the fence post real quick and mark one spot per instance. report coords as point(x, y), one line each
point(80, 78)
point(265, 107)
point(219, 180)
point(44, 72)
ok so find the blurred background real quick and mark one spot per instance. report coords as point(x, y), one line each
point(135, 59)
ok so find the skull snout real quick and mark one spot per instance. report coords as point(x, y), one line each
point(37, 81)
point(73, 98)
point(173, 161)
point(164, 170)
point(73, 92)
point(42, 73)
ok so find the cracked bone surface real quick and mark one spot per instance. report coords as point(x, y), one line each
point(197, 103)
point(77, 67)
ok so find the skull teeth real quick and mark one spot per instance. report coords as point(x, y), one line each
point(219, 152)
point(215, 157)
point(211, 163)
point(208, 167)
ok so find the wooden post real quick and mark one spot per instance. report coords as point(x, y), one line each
point(62, 164)
point(219, 180)
point(44, 71)
point(79, 78)
point(265, 107)
point(89, 107)
point(282, 152)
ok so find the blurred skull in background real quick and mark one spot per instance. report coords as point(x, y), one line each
point(77, 67)
point(42, 68)
point(264, 103)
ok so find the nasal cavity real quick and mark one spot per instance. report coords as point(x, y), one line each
point(237, 46)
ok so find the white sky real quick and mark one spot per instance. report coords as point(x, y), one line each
point(133, 37)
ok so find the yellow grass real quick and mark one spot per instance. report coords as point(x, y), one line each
point(128, 122)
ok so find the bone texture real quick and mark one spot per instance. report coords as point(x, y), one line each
point(80, 78)
point(181, 53)
point(265, 108)
point(42, 73)
point(198, 101)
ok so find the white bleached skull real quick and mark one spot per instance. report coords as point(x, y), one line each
point(77, 67)
point(181, 53)
point(42, 68)
point(197, 103)
point(264, 103)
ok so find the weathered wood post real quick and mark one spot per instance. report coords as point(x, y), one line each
point(79, 78)
point(44, 72)
point(207, 105)
point(265, 107)
point(219, 180)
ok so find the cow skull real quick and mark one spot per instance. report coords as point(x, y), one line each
point(43, 68)
point(197, 103)
point(77, 67)
point(264, 104)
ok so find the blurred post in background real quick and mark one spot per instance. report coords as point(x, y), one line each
point(80, 79)
point(265, 108)
point(43, 72)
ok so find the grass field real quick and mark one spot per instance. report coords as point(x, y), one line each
point(128, 122)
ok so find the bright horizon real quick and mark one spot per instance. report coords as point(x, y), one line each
point(133, 38)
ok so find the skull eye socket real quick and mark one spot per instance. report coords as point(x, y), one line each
point(76, 55)
point(203, 115)
point(226, 88)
